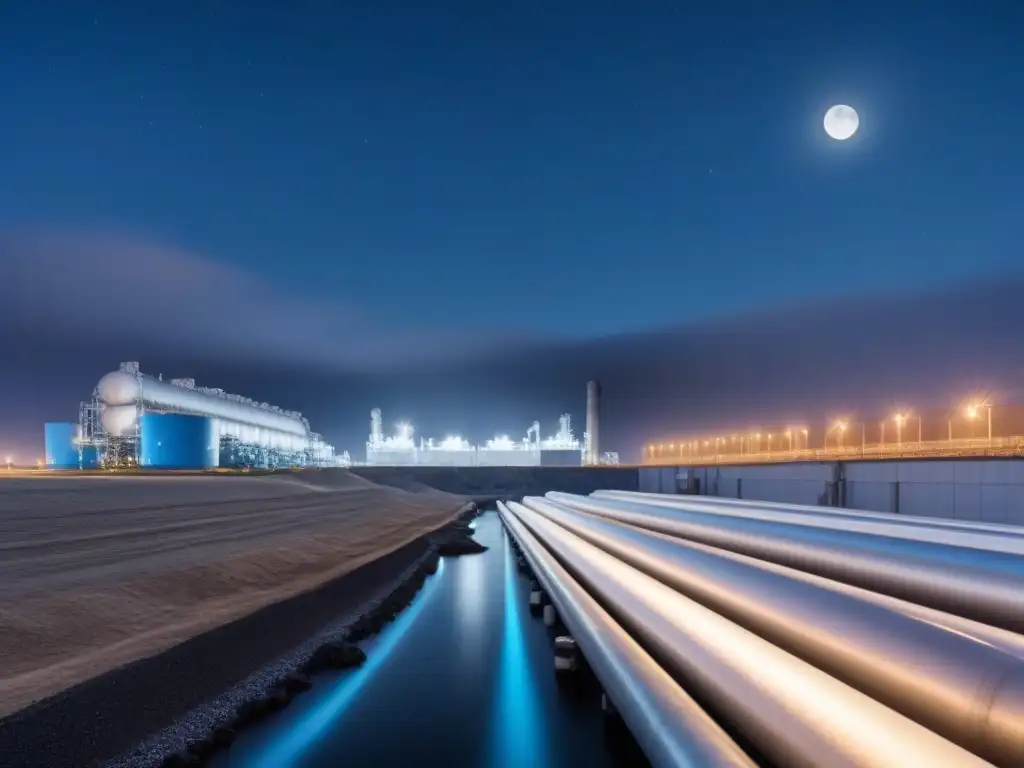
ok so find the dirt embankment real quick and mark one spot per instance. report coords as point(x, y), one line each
point(96, 572)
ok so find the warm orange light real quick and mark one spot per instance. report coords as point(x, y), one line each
point(973, 409)
point(899, 418)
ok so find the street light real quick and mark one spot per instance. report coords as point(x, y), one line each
point(9, 460)
point(789, 438)
point(899, 418)
point(840, 427)
point(972, 411)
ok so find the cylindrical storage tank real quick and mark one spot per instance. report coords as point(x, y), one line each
point(61, 448)
point(177, 441)
point(90, 456)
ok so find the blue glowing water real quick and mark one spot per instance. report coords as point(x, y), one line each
point(463, 678)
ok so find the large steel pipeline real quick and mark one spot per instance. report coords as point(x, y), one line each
point(670, 727)
point(901, 529)
point(986, 586)
point(963, 689)
point(1003, 639)
point(978, 526)
point(795, 714)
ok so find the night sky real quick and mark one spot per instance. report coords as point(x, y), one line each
point(461, 211)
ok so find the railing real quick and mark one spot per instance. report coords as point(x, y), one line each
point(997, 446)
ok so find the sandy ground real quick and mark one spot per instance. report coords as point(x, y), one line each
point(96, 572)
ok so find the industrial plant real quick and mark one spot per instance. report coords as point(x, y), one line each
point(136, 420)
point(561, 449)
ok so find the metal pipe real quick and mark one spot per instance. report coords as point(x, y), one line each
point(794, 713)
point(901, 529)
point(965, 690)
point(837, 512)
point(986, 586)
point(1004, 640)
point(671, 728)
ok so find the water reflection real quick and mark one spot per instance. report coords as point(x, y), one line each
point(521, 738)
point(317, 720)
point(466, 684)
point(471, 608)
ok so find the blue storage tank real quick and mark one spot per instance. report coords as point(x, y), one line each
point(177, 441)
point(61, 449)
point(90, 456)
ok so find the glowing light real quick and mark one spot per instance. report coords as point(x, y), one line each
point(973, 409)
point(564, 439)
point(518, 702)
point(451, 443)
point(320, 718)
point(900, 418)
point(841, 122)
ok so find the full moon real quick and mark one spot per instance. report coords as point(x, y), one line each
point(841, 122)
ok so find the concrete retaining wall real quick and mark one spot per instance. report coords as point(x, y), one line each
point(990, 490)
point(504, 482)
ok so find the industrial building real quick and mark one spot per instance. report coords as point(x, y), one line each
point(136, 420)
point(562, 449)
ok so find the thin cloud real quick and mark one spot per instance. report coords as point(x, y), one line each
point(121, 289)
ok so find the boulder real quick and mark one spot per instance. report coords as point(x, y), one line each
point(336, 656)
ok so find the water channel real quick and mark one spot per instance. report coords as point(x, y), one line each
point(463, 677)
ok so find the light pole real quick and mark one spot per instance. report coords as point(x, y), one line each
point(972, 413)
point(899, 418)
point(10, 462)
point(840, 427)
point(789, 438)
point(806, 444)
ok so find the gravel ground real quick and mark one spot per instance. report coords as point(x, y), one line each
point(100, 571)
point(112, 719)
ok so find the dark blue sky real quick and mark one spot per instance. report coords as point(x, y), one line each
point(612, 167)
point(545, 170)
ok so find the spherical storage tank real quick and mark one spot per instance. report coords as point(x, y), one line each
point(177, 441)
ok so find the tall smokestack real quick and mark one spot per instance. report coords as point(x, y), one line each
point(376, 428)
point(593, 416)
